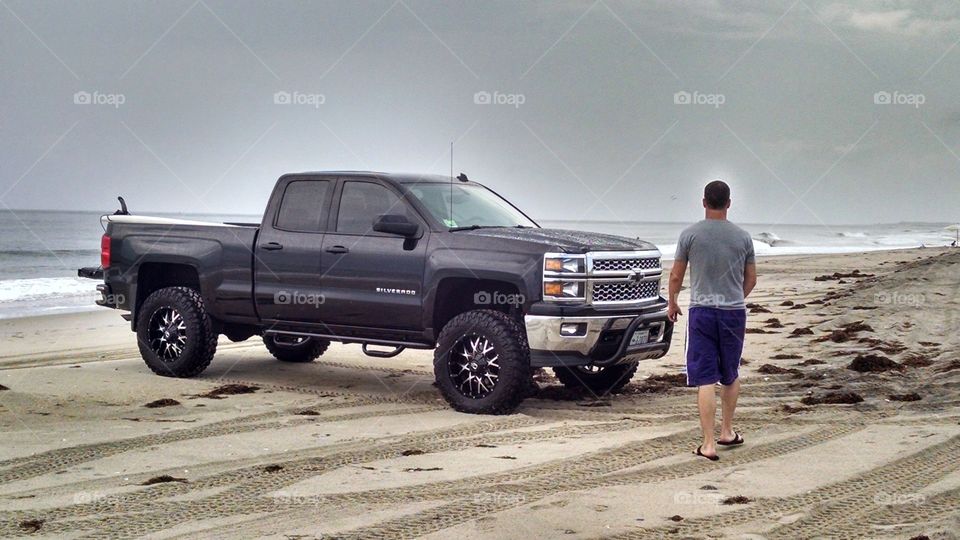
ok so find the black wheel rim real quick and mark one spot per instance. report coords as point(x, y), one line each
point(474, 366)
point(167, 334)
point(289, 341)
point(589, 370)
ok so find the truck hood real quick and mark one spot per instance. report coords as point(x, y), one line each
point(565, 240)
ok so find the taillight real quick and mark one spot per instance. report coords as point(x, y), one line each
point(105, 251)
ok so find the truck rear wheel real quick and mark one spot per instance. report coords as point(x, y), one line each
point(174, 333)
point(482, 363)
point(598, 380)
point(295, 349)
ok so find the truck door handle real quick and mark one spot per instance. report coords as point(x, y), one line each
point(337, 249)
point(271, 246)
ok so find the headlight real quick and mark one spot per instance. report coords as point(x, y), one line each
point(560, 289)
point(564, 276)
point(560, 265)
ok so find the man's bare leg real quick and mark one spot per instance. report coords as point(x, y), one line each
point(707, 402)
point(728, 404)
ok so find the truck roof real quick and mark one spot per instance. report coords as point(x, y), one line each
point(400, 178)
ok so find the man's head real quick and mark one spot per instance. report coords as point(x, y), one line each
point(716, 196)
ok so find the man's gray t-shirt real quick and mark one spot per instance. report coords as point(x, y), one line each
point(717, 252)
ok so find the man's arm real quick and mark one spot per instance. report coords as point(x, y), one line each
point(677, 272)
point(749, 278)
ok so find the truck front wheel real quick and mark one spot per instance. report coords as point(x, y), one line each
point(482, 363)
point(598, 380)
point(174, 333)
point(295, 349)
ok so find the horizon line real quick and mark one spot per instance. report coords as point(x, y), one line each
point(604, 221)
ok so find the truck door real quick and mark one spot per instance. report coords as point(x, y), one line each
point(371, 279)
point(288, 254)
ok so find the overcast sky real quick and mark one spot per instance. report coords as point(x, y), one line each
point(175, 104)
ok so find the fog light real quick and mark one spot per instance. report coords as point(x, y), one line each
point(573, 329)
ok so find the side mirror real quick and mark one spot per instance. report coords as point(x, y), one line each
point(396, 224)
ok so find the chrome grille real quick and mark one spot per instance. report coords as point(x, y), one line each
point(624, 265)
point(625, 291)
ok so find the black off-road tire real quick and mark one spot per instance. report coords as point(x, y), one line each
point(200, 340)
point(608, 380)
point(307, 350)
point(509, 340)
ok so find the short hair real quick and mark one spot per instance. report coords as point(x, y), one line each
point(717, 194)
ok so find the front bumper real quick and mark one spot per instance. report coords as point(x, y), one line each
point(602, 339)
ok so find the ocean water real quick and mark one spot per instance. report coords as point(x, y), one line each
point(40, 251)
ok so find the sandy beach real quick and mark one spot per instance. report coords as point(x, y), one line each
point(850, 410)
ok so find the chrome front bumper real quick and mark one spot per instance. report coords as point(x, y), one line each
point(601, 340)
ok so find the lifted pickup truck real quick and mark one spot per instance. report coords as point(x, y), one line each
point(398, 261)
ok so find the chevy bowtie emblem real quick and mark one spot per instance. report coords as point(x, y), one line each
point(635, 275)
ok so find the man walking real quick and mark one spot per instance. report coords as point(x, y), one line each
point(723, 273)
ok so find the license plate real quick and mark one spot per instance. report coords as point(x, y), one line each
point(639, 337)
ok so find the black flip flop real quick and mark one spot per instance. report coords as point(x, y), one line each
point(737, 440)
point(701, 454)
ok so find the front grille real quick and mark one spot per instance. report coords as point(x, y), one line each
point(625, 265)
point(625, 291)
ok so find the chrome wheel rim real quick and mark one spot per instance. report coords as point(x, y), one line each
point(168, 334)
point(474, 366)
point(590, 370)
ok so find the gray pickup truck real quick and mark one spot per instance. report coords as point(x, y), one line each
point(392, 261)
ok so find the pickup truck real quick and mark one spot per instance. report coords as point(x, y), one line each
point(392, 261)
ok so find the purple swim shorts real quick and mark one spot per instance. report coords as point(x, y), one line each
point(714, 345)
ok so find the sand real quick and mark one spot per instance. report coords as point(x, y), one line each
point(351, 446)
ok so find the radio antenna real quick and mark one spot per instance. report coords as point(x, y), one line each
point(451, 186)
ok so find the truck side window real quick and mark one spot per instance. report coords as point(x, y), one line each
point(303, 205)
point(361, 203)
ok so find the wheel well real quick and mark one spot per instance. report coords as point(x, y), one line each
point(152, 277)
point(458, 295)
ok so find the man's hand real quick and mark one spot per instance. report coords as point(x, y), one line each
point(673, 290)
point(673, 311)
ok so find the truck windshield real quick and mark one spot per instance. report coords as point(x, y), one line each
point(471, 206)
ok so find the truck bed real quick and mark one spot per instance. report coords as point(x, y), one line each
point(221, 253)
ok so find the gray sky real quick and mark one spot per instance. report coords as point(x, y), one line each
point(588, 125)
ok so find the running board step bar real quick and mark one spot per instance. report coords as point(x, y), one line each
point(383, 354)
